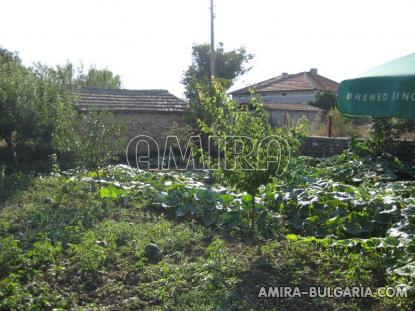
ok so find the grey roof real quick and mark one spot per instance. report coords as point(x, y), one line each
point(118, 100)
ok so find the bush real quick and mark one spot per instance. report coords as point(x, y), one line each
point(100, 140)
point(236, 127)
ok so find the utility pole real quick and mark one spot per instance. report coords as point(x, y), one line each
point(212, 42)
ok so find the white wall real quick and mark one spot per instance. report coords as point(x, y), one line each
point(279, 97)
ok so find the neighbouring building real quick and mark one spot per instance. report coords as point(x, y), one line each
point(287, 96)
point(144, 112)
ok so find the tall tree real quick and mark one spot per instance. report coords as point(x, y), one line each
point(36, 103)
point(102, 78)
point(56, 89)
point(14, 105)
point(196, 79)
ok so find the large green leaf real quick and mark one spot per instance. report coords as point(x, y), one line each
point(111, 192)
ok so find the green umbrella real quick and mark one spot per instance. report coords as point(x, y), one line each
point(385, 91)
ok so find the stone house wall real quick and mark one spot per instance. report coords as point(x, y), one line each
point(279, 97)
point(152, 124)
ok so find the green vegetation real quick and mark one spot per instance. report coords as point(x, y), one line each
point(98, 142)
point(254, 151)
point(180, 241)
point(103, 237)
point(37, 103)
point(196, 79)
point(102, 78)
point(325, 100)
point(385, 131)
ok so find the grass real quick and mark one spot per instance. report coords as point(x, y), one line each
point(62, 246)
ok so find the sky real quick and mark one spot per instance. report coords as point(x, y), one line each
point(149, 43)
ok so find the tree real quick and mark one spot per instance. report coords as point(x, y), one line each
point(35, 102)
point(14, 104)
point(229, 65)
point(102, 78)
point(384, 133)
point(57, 91)
point(7, 56)
point(10, 75)
point(252, 150)
point(98, 141)
point(325, 100)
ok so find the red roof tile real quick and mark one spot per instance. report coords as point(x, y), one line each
point(303, 81)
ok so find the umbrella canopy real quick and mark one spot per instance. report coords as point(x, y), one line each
point(385, 91)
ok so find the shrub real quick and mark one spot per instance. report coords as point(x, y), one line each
point(99, 141)
point(237, 127)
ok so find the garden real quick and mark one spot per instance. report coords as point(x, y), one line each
point(180, 240)
point(100, 235)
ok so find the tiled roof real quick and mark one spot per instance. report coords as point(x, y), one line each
point(129, 100)
point(291, 107)
point(303, 81)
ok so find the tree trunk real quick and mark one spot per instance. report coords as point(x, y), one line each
point(253, 215)
point(12, 150)
point(99, 179)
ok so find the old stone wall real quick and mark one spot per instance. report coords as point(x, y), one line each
point(152, 124)
point(322, 147)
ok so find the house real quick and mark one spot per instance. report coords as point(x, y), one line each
point(144, 112)
point(287, 96)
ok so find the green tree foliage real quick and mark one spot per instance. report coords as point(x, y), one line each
point(14, 98)
point(382, 134)
point(99, 140)
point(7, 56)
point(35, 102)
point(183, 132)
point(229, 65)
point(102, 78)
point(252, 150)
point(340, 125)
point(56, 93)
point(385, 131)
point(325, 100)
